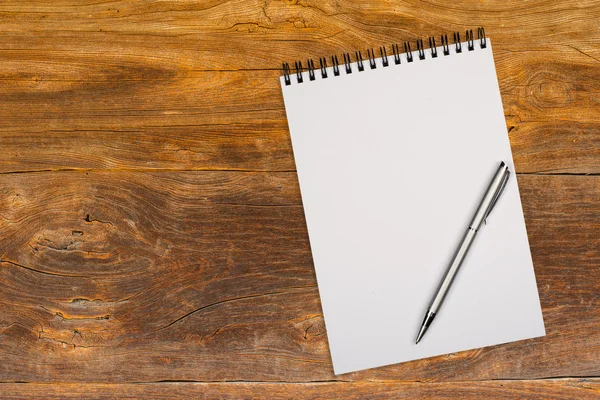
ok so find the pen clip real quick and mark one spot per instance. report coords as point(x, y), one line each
point(497, 195)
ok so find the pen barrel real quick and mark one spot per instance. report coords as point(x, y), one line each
point(491, 195)
point(452, 270)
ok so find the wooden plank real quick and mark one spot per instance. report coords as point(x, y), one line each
point(566, 389)
point(256, 35)
point(239, 123)
point(172, 85)
point(207, 276)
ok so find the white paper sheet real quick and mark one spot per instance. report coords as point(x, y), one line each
point(392, 164)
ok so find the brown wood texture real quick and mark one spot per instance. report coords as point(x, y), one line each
point(151, 226)
point(193, 85)
point(571, 389)
point(207, 276)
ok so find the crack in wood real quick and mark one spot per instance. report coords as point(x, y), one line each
point(63, 317)
point(89, 219)
point(236, 170)
point(584, 53)
point(146, 170)
point(44, 272)
point(332, 381)
point(67, 344)
point(217, 303)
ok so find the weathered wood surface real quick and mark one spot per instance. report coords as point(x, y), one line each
point(570, 389)
point(207, 276)
point(193, 85)
point(162, 236)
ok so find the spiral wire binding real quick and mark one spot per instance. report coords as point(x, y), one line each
point(482, 39)
point(408, 51)
point(311, 70)
point(359, 61)
point(445, 45)
point(396, 52)
point(323, 64)
point(336, 65)
point(457, 42)
point(371, 55)
point(384, 59)
point(470, 40)
point(286, 74)
point(469, 35)
point(421, 49)
point(432, 47)
point(347, 62)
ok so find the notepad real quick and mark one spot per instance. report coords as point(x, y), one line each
point(392, 163)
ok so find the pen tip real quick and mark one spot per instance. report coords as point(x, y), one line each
point(421, 333)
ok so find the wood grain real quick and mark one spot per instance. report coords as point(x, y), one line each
point(207, 276)
point(151, 226)
point(578, 389)
point(193, 85)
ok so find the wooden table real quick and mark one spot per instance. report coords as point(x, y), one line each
point(152, 236)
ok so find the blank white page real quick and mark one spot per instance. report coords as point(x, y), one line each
point(392, 164)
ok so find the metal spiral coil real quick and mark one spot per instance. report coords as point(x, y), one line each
point(311, 70)
point(482, 39)
point(457, 45)
point(298, 65)
point(445, 46)
point(420, 49)
point(408, 51)
point(323, 64)
point(371, 55)
point(347, 62)
point(383, 55)
point(432, 47)
point(396, 52)
point(359, 61)
point(336, 65)
point(470, 40)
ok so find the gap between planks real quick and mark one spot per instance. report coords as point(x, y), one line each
point(323, 381)
point(242, 170)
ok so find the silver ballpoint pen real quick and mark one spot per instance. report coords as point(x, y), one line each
point(488, 202)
